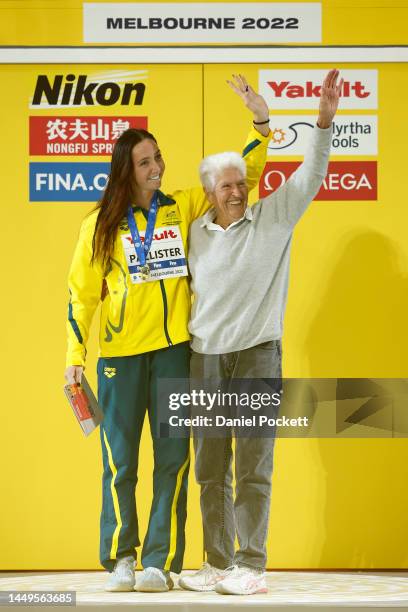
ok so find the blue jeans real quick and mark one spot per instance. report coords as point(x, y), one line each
point(248, 515)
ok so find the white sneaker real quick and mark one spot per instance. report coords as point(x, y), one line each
point(242, 581)
point(123, 576)
point(204, 580)
point(154, 580)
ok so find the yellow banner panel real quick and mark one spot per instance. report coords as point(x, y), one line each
point(39, 22)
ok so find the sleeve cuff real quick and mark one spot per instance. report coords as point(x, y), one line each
point(254, 134)
point(322, 134)
point(75, 361)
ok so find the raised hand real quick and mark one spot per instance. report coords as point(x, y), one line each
point(329, 98)
point(253, 101)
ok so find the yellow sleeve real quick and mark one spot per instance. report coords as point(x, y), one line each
point(85, 286)
point(254, 155)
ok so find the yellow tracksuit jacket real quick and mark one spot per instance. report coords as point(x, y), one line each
point(137, 318)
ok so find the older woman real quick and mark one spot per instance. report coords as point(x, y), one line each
point(131, 254)
point(236, 328)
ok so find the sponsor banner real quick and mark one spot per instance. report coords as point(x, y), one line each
point(200, 22)
point(300, 89)
point(352, 134)
point(165, 259)
point(72, 90)
point(348, 180)
point(67, 182)
point(68, 135)
point(107, 99)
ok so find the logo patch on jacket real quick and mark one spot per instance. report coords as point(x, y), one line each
point(109, 372)
point(171, 218)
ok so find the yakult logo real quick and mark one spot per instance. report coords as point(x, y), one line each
point(164, 235)
point(310, 90)
point(298, 89)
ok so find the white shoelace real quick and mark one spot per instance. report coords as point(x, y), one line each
point(206, 569)
point(238, 572)
point(207, 572)
point(156, 571)
point(124, 566)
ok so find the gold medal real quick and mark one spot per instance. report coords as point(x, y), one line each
point(144, 272)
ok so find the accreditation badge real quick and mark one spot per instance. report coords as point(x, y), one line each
point(166, 257)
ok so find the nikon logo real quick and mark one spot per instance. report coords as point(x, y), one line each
point(73, 90)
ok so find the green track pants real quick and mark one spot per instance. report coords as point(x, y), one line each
point(127, 389)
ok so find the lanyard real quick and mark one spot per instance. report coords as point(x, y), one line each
point(143, 250)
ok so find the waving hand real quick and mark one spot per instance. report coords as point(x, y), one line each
point(253, 101)
point(329, 98)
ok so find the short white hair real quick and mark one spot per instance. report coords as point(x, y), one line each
point(212, 166)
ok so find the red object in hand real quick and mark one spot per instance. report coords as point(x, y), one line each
point(80, 403)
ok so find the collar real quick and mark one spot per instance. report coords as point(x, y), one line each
point(207, 220)
point(162, 200)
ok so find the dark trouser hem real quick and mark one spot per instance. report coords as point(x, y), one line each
point(254, 568)
point(218, 562)
point(110, 563)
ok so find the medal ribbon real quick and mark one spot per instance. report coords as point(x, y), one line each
point(142, 250)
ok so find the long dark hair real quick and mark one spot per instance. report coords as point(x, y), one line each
point(117, 195)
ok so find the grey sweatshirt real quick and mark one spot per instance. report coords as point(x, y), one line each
point(240, 275)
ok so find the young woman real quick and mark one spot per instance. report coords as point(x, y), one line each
point(131, 254)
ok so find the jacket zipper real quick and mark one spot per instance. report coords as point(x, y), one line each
point(164, 296)
point(165, 311)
